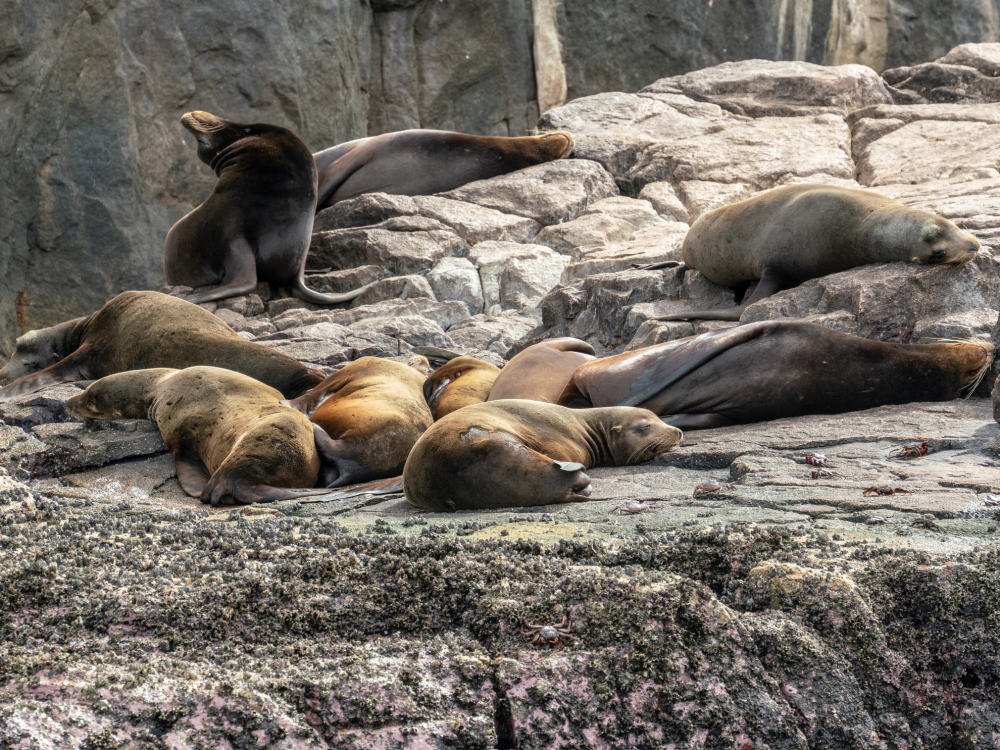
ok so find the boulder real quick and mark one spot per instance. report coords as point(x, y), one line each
point(474, 223)
point(664, 200)
point(247, 305)
point(338, 282)
point(457, 279)
point(395, 288)
point(42, 407)
point(492, 333)
point(71, 446)
point(652, 244)
point(363, 211)
point(408, 330)
point(971, 199)
point(601, 223)
point(233, 319)
point(978, 323)
point(291, 323)
point(969, 73)
point(547, 193)
point(506, 269)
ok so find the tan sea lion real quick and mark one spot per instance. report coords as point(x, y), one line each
point(231, 438)
point(461, 382)
point(138, 330)
point(424, 162)
point(517, 453)
point(792, 234)
point(775, 369)
point(371, 413)
point(541, 371)
point(257, 223)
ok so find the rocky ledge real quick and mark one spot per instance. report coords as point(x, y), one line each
point(782, 612)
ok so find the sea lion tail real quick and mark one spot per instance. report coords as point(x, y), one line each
point(305, 293)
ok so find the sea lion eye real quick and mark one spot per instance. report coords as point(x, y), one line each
point(204, 143)
point(937, 254)
point(640, 428)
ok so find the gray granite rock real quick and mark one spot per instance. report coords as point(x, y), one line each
point(493, 333)
point(395, 288)
point(457, 279)
point(338, 282)
point(601, 223)
point(42, 407)
point(71, 446)
point(507, 268)
point(664, 200)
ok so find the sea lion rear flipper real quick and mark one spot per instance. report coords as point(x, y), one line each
point(240, 263)
point(688, 356)
point(192, 474)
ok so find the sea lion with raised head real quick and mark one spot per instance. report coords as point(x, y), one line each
point(231, 437)
point(371, 413)
point(792, 234)
point(138, 330)
point(458, 383)
point(541, 371)
point(774, 369)
point(424, 162)
point(516, 453)
point(257, 223)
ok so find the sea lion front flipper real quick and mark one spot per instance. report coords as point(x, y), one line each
point(770, 283)
point(240, 263)
point(192, 474)
point(688, 356)
point(657, 266)
point(697, 421)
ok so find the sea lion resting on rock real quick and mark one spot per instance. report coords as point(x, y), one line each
point(371, 413)
point(460, 382)
point(137, 330)
point(541, 371)
point(520, 453)
point(257, 223)
point(424, 162)
point(231, 438)
point(787, 236)
point(775, 369)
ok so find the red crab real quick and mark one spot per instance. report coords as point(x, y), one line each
point(884, 489)
point(549, 635)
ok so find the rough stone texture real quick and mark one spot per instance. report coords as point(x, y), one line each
point(665, 201)
point(44, 407)
point(653, 244)
point(601, 223)
point(968, 73)
point(71, 446)
point(977, 323)
point(494, 333)
point(457, 279)
point(395, 288)
point(507, 269)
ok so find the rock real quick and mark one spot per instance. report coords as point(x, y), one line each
point(492, 333)
point(665, 202)
point(247, 305)
point(989, 113)
point(291, 323)
point(408, 330)
point(971, 203)
point(405, 245)
point(278, 306)
point(868, 130)
point(70, 446)
point(601, 223)
point(457, 279)
point(653, 244)
point(983, 57)
point(395, 288)
point(259, 326)
point(760, 88)
point(363, 211)
point(547, 193)
point(42, 407)
point(532, 268)
point(978, 324)
point(476, 224)
point(338, 282)
point(699, 196)
point(233, 319)
point(966, 74)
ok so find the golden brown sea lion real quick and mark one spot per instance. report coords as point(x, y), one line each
point(775, 369)
point(424, 162)
point(461, 382)
point(371, 413)
point(786, 236)
point(231, 438)
point(541, 371)
point(516, 453)
point(138, 330)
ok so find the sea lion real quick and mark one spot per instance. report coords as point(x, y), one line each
point(231, 438)
point(138, 330)
point(257, 223)
point(775, 369)
point(371, 413)
point(459, 383)
point(424, 162)
point(519, 453)
point(541, 371)
point(787, 236)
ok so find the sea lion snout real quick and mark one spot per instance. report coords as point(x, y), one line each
point(202, 122)
point(639, 437)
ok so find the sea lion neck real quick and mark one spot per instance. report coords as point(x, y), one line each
point(596, 427)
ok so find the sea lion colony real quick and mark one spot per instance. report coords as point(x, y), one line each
point(457, 432)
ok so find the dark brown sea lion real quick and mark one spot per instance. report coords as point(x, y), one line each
point(138, 330)
point(257, 223)
point(371, 413)
point(540, 372)
point(424, 162)
point(775, 369)
point(231, 438)
point(518, 453)
point(786, 236)
point(461, 382)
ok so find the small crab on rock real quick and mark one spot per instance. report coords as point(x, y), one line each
point(826, 474)
point(549, 635)
point(884, 489)
point(910, 451)
point(818, 459)
point(630, 508)
point(713, 487)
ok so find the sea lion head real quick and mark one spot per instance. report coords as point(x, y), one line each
point(124, 395)
point(215, 133)
point(33, 351)
point(467, 379)
point(636, 435)
point(932, 240)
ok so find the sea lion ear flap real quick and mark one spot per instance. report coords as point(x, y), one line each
point(569, 466)
point(616, 429)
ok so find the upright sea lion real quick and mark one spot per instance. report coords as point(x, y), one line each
point(521, 453)
point(257, 223)
point(775, 369)
point(138, 330)
point(786, 236)
point(461, 382)
point(231, 438)
point(423, 162)
point(540, 372)
point(371, 413)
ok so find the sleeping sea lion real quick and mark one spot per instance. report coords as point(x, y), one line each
point(516, 453)
point(371, 413)
point(257, 223)
point(541, 371)
point(775, 369)
point(231, 438)
point(424, 162)
point(792, 234)
point(461, 382)
point(138, 330)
